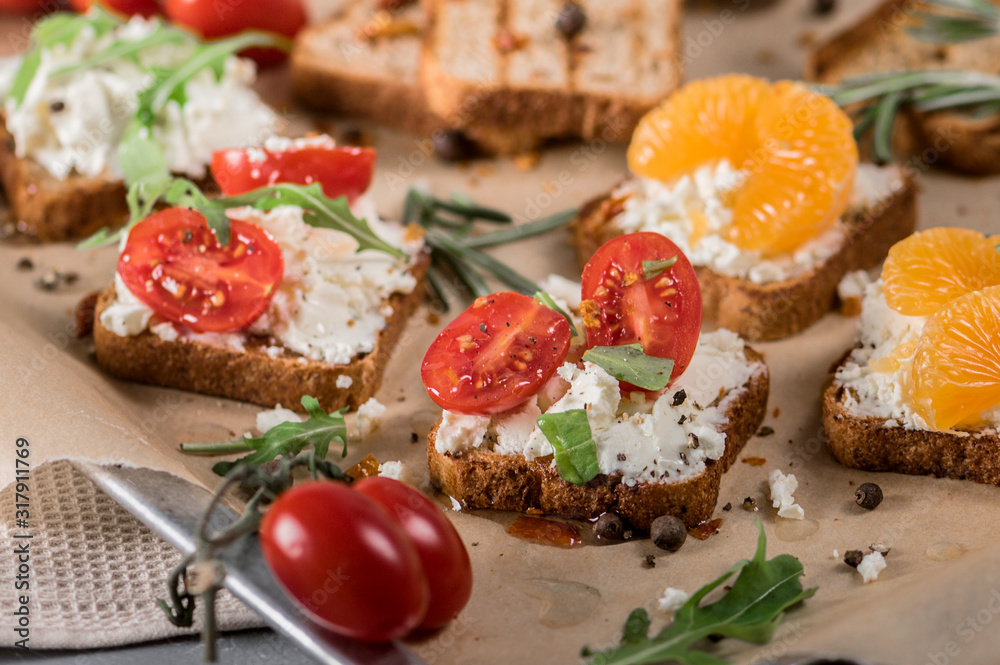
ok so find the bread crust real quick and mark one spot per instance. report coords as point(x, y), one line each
point(509, 482)
point(764, 312)
point(879, 43)
point(252, 375)
point(864, 442)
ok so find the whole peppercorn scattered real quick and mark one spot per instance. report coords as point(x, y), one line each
point(25, 263)
point(452, 145)
point(853, 558)
point(571, 20)
point(668, 533)
point(868, 495)
point(824, 6)
point(749, 504)
point(609, 526)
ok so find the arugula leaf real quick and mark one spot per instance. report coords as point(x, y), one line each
point(184, 193)
point(320, 212)
point(628, 363)
point(651, 269)
point(575, 450)
point(288, 438)
point(751, 611)
point(547, 300)
point(124, 49)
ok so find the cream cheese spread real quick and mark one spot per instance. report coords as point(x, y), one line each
point(332, 300)
point(662, 440)
point(670, 210)
point(73, 122)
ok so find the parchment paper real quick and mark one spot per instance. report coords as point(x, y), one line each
point(538, 604)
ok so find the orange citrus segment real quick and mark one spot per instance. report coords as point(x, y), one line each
point(928, 270)
point(955, 373)
point(796, 147)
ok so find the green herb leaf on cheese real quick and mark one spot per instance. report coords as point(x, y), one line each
point(575, 450)
point(751, 611)
point(628, 363)
point(547, 300)
point(651, 269)
point(123, 49)
point(289, 438)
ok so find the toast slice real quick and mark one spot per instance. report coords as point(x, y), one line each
point(364, 61)
point(866, 442)
point(253, 374)
point(504, 65)
point(481, 478)
point(49, 209)
point(775, 309)
point(880, 43)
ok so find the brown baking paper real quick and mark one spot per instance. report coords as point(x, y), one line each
point(936, 603)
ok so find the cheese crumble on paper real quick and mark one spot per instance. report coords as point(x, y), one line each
point(782, 487)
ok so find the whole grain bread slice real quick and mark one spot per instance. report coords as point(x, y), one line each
point(485, 479)
point(864, 442)
point(774, 310)
point(253, 375)
point(880, 43)
point(503, 65)
point(364, 61)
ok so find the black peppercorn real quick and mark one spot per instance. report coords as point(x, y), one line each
point(853, 558)
point(749, 504)
point(24, 263)
point(452, 145)
point(668, 533)
point(868, 495)
point(649, 561)
point(679, 398)
point(571, 20)
point(824, 6)
point(609, 526)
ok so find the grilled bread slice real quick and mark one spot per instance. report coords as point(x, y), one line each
point(364, 61)
point(254, 374)
point(505, 65)
point(482, 478)
point(880, 43)
point(777, 309)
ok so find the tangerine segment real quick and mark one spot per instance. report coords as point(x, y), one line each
point(956, 367)
point(796, 147)
point(929, 269)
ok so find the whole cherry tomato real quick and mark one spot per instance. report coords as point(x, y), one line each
point(442, 553)
point(173, 262)
point(340, 171)
point(220, 18)
point(621, 305)
point(495, 355)
point(146, 8)
point(345, 560)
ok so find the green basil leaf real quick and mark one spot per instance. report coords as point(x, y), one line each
point(547, 300)
point(651, 269)
point(575, 450)
point(628, 363)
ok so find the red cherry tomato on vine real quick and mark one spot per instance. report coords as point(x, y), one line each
point(340, 171)
point(442, 553)
point(495, 355)
point(146, 8)
point(173, 262)
point(212, 19)
point(620, 306)
point(345, 560)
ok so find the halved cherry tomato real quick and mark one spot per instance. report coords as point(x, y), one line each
point(146, 8)
point(495, 355)
point(442, 553)
point(620, 306)
point(340, 171)
point(221, 18)
point(173, 262)
point(345, 560)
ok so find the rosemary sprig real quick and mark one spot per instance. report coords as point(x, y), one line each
point(875, 100)
point(967, 20)
point(448, 229)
